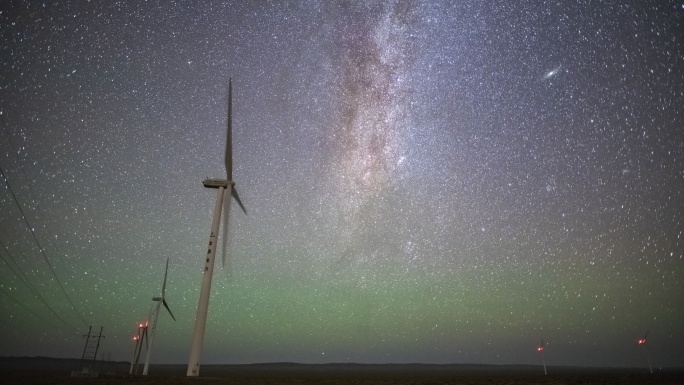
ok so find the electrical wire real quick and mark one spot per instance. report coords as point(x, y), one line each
point(34, 313)
point(51, 237)
point(25, 280)
point(40, 247)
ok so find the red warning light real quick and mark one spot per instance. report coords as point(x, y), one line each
point(135, 338)
point(540, 349)
point(642, 341)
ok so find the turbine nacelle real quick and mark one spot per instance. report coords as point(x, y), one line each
point(216, 183)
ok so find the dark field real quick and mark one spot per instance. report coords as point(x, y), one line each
point(57, 371)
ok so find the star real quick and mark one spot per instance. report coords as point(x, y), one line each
point(551, 73)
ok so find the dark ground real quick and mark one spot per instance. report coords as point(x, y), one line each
point(29, 371)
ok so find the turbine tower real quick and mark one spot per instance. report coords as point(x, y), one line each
point(142, 336)
point(154, 316)
point(221, 185)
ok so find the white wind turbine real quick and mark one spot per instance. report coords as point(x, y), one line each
point(642, 342)
point(221, 185)
point(154, 316)
point(540, 349)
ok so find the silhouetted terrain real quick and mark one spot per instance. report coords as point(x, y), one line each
point(41, 370)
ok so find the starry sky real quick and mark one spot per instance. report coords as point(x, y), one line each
point(434, 182)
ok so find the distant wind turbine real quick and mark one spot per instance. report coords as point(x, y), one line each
point(221, 185)
point(155, 315)
point(642, 342)
point(540, 349)
point(142, 334)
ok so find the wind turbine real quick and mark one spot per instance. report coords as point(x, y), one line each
point(154, 316)
point(142, 333)
point(642, 342)
point(540, 349)
point(221, 185)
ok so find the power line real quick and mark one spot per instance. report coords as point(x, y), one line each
point(51, 237)
point(25, 280)
point(40, 248)
point(34, 313)
point(23, 277)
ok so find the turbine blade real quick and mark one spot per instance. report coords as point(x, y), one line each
point(224, 235)
point(166, 271)
point(235, 195)
point(229, 134)
point(167, 308)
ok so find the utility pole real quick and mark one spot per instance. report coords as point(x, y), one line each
point(86, 345)
point(90, 351)
point(99, 337)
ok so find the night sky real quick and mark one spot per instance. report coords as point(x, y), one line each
point(425, 182)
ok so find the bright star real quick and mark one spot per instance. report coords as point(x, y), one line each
point(552, 73)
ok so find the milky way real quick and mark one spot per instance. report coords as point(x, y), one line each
point(425, 181)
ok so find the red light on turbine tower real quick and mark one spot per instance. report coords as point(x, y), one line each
point(642, 342)
point(135, 338)
point(540, 347)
